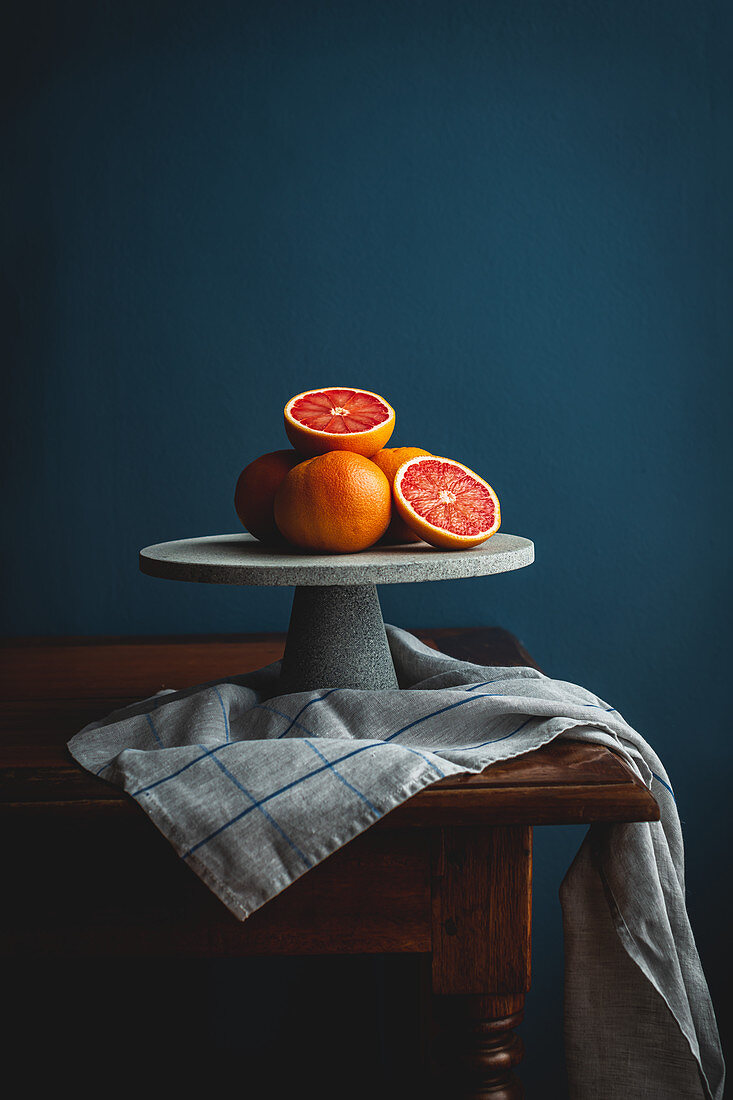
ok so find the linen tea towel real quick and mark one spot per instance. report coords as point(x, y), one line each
point(253, 789)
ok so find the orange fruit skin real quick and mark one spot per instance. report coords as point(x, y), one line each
point(389, 461)
point(337, 503)
point(444, 540)
point(254, 495)
point(310, 442)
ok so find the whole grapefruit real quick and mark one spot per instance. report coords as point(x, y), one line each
point(255, 492)
point(389, 460)
point(339, 502)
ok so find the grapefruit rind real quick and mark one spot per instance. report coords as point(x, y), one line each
point(255, 492)
point(312, 441)
point(398, 531)
point(429, 532)
point(336, 503)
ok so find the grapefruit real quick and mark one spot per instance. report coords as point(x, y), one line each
point(389, 460)
point(445, 503)
point(338, 419)
point(339, 502)
point(255, 492)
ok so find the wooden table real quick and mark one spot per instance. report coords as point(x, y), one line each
point(447, 874)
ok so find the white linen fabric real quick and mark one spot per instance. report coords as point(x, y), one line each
point(252, 789)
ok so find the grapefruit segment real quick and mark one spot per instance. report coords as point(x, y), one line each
point(338, 418)
point(445, 503)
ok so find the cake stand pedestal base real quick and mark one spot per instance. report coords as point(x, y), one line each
point(336, 638)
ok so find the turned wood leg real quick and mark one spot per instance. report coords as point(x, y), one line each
point(482, 901)
point(478, 1047)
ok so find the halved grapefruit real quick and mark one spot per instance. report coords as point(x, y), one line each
point(445, 503)
point(338, 419)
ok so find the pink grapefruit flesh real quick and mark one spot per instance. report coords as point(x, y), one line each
point(339, 419)
point(445, 503)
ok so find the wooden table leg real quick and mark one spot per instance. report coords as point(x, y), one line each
point(482, 903)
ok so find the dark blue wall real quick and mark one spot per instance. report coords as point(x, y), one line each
point(511, 219)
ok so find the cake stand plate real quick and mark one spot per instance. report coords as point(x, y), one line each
point(336, 636)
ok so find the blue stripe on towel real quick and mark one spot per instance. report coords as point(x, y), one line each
point(185, 767)
point(151, 723)
point(288, 786)
point(256, 805)
point(294, 721)
point(660, 780)
point(451, 706)
point(338, 775)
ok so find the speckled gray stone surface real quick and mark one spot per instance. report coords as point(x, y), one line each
point(241, 559)
point(336, 638)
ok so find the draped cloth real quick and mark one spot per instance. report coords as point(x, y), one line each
point(253, 788)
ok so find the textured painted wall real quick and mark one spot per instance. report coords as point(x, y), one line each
point(512, 219)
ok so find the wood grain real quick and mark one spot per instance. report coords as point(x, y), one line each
point(477, 1048)
point(482, 935)
point(53, 687)
point(446, 875)
point(136, 667)
point(101, 886)
point(89, 874)
point(482, 906)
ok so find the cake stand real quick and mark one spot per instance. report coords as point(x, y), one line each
point(336, 636)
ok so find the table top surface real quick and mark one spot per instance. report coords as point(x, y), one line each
point(242, 559)
point(89, 876)
point(55, 686)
